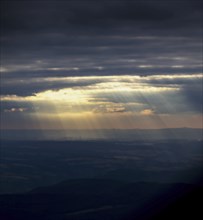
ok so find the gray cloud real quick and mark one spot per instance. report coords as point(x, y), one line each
point(22, 87)
point(86, 34)
point(90, 13)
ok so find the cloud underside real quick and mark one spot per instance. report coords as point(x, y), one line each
point(83, 64)
point(82, 38)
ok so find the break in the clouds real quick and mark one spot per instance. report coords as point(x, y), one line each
point(106, 101)
point(119, 63)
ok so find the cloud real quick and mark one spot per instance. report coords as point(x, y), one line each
point(31, 86)
point(127, 56)
point(15, 110)
point(109, 108)
point(147, 112)
point(165, 94)
point(100, 38)
point(88, 13)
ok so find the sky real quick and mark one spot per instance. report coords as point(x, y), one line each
point(101, 64)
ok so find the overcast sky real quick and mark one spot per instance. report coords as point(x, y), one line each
point(101, 64)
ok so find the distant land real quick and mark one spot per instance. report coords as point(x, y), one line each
point(29, 164)
point(105, 134)
point(104, 199)
point(101, 174)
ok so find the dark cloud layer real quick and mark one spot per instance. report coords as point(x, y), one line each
point(37, 15)
point(87, 34)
